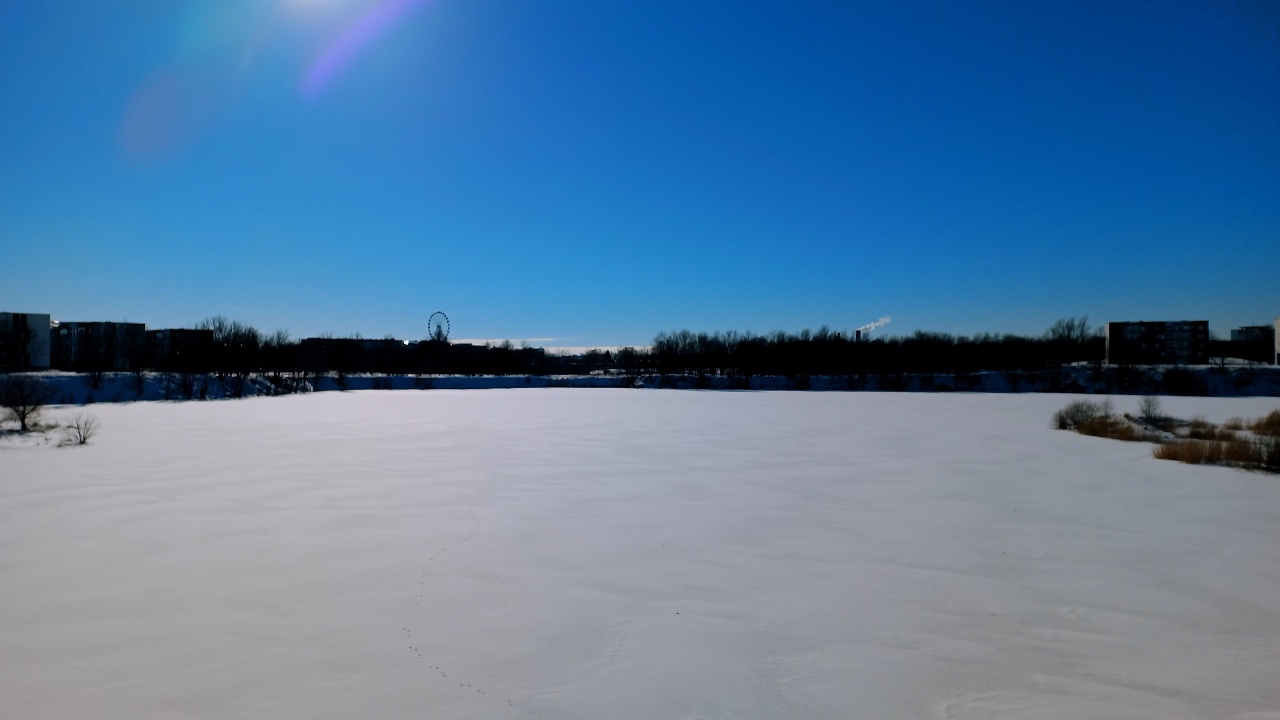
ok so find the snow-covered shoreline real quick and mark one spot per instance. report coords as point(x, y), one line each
point(71, 388)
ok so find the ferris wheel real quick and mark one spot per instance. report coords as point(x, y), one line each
point(438, 327)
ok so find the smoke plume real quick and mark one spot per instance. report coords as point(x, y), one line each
point(872, 326)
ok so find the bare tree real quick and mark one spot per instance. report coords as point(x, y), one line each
point(95, 377)
point(23, 397)
point(237, 343)
point(1072, 340)
point(1071, 330)
point(80, 429)
point(1149, 408)
point(139, 380)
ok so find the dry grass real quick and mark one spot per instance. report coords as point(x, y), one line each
point(1269, 425)
point(1236, 443)
point(1201, 429)
point(1192, 452)
point(1255, 454)
point(1109, 426)
point(1241, 452)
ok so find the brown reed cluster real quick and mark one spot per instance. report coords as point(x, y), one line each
point(1247, 444)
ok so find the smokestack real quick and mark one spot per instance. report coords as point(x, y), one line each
point(857, 335)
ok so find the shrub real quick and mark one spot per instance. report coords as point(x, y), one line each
point(1079, 412)
point(1225, 435)
point(1269, 425)
point(80, 429)
point(22, 397)
point(1111, 427)
point(1149, 408)
point(1268, 450)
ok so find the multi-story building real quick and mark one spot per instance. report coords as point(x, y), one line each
point(1254, 342)
point(98, 346)
point(24, 341)
point(180, 350)
point(1182, 342)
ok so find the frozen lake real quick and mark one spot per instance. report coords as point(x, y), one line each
point(641, 554)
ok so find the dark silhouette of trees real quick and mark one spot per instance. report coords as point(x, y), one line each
point(236, 345)
point(1070, 330)
point(237, 351)
point(833, 353)
point(1072, 340)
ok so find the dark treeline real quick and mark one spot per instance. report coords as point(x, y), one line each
point(827, 352)
point(240, 349)
point(234, 349)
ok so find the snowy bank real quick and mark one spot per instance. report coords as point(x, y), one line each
point(1232, 381)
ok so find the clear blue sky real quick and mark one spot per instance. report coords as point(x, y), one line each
point(596, 172)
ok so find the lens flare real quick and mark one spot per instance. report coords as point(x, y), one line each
point(175, 106)
point(351, 42)
point(171, 109)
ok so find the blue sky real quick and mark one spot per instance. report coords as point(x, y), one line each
point(597, 172)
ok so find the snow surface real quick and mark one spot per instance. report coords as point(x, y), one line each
point(563, 553)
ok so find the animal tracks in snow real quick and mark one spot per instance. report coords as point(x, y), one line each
point(419, 606)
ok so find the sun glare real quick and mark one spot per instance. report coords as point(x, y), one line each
point(357, 35)
point(319, 5)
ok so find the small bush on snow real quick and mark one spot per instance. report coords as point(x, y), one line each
point(1079, 412)
point(80, 429)
point(1149, 408)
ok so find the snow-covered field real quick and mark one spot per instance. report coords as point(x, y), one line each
point(563, 553)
